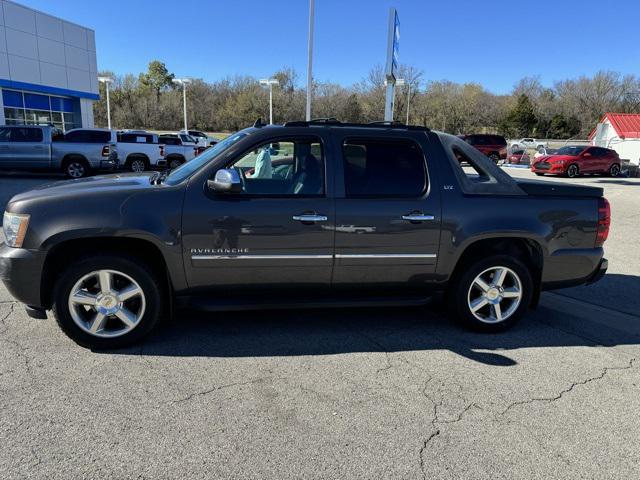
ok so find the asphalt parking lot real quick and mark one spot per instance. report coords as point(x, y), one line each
point(363, 393)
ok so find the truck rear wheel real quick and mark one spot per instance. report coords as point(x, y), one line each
point(107, 301)
point(491, 294)
point(76, 167)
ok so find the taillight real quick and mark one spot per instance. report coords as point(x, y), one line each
point(162, 150)
point(604, 221)
point(106, 151)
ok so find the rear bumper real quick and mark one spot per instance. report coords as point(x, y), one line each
point(600, 272)
point(21, 272)
point(572, 267)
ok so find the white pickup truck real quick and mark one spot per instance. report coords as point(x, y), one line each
point(201, 138)
point(528, 143)
point(179, 148)
point(138, 150)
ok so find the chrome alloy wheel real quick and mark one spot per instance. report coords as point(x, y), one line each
point(495, 294)
point(137, 165)
point(106, 303)
point(76, 170)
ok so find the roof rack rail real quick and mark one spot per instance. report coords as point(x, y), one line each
point(336, 123)
point(259, 123)
point(314, 121)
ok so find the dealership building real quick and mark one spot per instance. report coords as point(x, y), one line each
point(48, 69)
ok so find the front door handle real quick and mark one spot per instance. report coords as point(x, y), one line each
point(310, 218)
point(417, 217)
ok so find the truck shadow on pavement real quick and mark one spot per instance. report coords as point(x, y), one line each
point(359, 330)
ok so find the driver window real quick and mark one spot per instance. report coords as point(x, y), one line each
point(283, 168)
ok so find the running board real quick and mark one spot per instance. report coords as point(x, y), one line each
point(218, 305)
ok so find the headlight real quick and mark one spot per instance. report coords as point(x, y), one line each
point(15, 228)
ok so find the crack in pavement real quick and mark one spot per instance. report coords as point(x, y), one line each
point(570, 388)
point(215, 389)
point(436, 421)
point(5, 317)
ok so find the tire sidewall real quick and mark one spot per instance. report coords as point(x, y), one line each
point(137, 159)
point(84, 165)
point(612, 170)
point(129, 266)
point(577, 170)
point(458, 295)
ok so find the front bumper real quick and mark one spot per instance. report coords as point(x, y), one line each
point(21, 272)
point(553, 168)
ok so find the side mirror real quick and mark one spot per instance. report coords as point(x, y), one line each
point(586, 154)
point(226, 181)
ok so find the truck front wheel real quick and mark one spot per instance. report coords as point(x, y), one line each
point(107, 301)
point(491, 294)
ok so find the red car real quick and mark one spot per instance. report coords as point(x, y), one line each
point(493, 146)
point(578, 159)
point(519, 157)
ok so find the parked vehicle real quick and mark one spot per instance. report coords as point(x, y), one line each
point(576, 160)
point(179, 148)
point(493, 146)
point(519, 157)
point(137, 150)
point(529, 143)
point(544, 151)
point(202, 138)
point(45, 148)
point(140, 150)
point(349, 216)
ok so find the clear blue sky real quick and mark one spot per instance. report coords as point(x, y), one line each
point(492, 42)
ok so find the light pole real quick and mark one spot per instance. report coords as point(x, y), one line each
point(270, 82)
point(183, 82)
point(309, 60)
point(400, 83)
point(107, 81)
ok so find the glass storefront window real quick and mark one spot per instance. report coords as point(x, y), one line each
point(14, 116)
point(37, 117)
point(37, 109)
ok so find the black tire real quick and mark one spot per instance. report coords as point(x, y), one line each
point(76, 167)
point(573, 171)
point(495, 157)
point(539, 174)
point(460, 291)
point(148, 283)
point(137, 163)
point(614, 170)
point(174, 162)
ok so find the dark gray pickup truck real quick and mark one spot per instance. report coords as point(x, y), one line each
point(317, 213)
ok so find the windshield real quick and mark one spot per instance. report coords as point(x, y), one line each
point(186, 169)
point(572, 151)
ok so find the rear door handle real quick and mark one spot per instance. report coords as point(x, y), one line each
point(310, 218)
point(418, 217)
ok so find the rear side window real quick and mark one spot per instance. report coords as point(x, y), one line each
point(135, 138)
point(169, 140)
point(383, 168)
point(88, 136)
point(498, 140)
point(26, 134)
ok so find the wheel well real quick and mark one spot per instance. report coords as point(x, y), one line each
point(58, 259)
point(529, 251)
